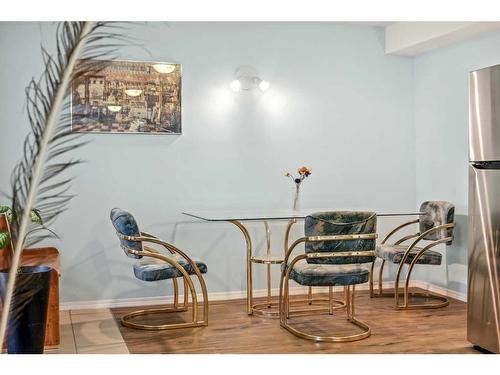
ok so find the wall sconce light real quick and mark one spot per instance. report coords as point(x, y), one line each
point(247, 79)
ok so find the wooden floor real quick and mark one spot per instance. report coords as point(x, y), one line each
point(231, 330)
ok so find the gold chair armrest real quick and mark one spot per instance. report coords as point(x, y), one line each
point(397, 229)
point(363, 253)
point(166, 245)
point(427, 232)
point(341, 237)
point(150, 249)
point(406, 238)
point(146, 237)
point(158, 255)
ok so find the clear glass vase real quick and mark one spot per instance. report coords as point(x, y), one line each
point(296, 197)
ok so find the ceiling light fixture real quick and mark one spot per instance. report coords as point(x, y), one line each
point(115, 108)
point(164, 68)
point(133, 92)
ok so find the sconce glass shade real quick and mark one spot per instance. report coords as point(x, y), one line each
point(235, 85)
point(133, 92)
point(164, 68)
point(263, 85)
point(115, 108)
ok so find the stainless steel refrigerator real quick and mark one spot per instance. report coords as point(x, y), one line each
point(483, 302)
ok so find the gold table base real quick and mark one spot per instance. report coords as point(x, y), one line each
point(263, 309)
point(267, 309)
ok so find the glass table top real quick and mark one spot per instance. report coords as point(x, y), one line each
point(272, 214)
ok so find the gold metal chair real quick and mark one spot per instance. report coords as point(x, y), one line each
point(336, 243)
point(436, 225)
point(161, 267)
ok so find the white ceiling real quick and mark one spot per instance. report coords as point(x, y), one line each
point(373, 23)
point(414, 38)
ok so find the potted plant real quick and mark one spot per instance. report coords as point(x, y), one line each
point(82, 48)
point(28, 317)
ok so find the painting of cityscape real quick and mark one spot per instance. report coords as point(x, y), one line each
point(128, 97)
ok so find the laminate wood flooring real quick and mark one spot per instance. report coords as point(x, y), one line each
point(231, 330)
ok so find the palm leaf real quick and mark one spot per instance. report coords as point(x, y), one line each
point(82, 48)
point(36, 217)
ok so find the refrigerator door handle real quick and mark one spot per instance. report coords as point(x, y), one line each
point(494, 164)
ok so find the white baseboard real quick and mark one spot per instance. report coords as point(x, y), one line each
point(232, 295)
point(440, 290)
point(146, 301)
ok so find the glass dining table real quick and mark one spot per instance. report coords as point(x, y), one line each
point(238, 217)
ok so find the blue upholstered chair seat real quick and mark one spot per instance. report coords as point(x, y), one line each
point(394, 254)
point(156, 269)
point(328, 274)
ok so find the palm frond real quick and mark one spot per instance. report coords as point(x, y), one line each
point(82, 48)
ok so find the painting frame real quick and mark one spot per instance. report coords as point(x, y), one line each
point(122, 127)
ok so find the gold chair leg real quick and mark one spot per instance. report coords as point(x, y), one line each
point(186, 293)
point(184, 306)
point(349, 300)
point(406, 294)
point(287, 298)
point(352, 302)
point(380, 289)
point(347, 290)
point(176, 293)
point(330, 300)
point(204, 292)
point(381, 278)
point(396, 284)
point(370, 282)
point(442, 301)
point(126, 320)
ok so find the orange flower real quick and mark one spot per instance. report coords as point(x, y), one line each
point(304, 171)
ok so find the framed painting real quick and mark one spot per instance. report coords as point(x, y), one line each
point(128, 97)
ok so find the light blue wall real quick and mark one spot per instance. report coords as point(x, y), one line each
point(441, 125)
point(337, 103)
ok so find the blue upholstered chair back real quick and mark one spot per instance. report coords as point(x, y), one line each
point(340, 223)
point(125, 224)
point(437, 213)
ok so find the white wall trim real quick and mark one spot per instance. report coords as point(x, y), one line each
point(440, 290)
point(146, 301)
point(221, 296)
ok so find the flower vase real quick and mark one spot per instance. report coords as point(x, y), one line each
point(296, 198)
